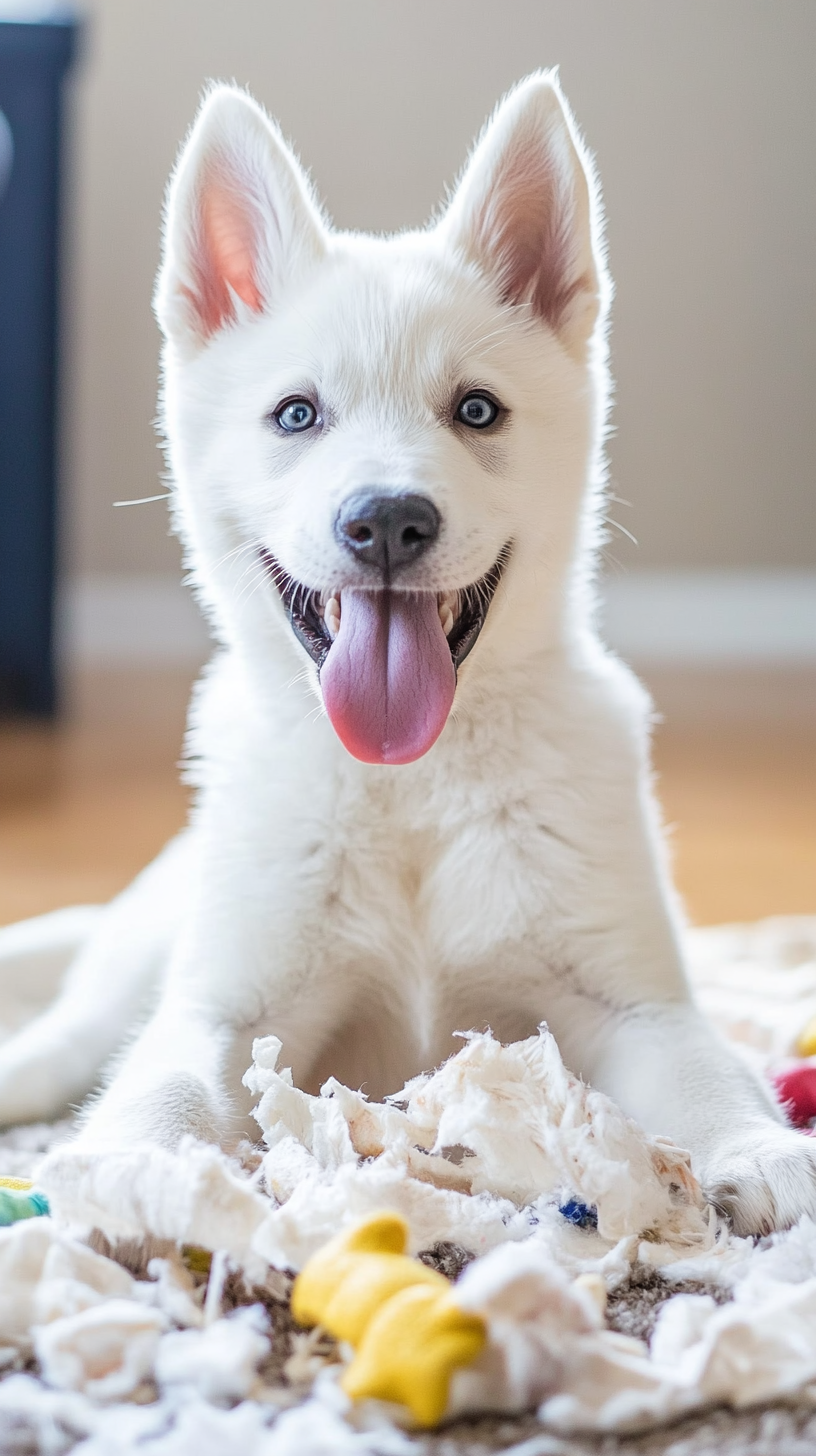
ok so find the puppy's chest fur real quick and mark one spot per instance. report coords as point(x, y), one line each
point(428, 899)
point(427, 928)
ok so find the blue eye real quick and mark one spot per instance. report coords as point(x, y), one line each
point(478, 411)
point(297, 415)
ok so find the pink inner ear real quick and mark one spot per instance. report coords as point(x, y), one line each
point(528, 226)
point(224, 254)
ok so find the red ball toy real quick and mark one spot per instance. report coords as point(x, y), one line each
point(796, 1090)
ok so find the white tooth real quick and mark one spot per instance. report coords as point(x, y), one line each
point(448, 610)
point(331, 616)
point(445, 615)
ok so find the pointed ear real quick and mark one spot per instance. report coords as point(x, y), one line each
point(527, 211)
point(240, 218)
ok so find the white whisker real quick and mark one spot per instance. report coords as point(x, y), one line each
point(144, 500)
point(608, 521)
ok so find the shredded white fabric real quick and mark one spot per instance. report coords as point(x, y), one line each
point(522, 1131)
point(220, 1363)
point(547, 1348)
point(106, 1350)
point(45, 1275)
point(195, 1196)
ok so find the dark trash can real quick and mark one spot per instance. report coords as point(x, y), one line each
point(34, 58)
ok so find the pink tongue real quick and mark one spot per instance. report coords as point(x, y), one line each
point(388, 681)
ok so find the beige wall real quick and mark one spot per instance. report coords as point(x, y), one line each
point(703, 118)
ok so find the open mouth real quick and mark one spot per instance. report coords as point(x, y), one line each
point(387, 658)
point(315, 617)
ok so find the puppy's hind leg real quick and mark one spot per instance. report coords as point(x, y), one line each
point(56, 1059)
point(34, 957)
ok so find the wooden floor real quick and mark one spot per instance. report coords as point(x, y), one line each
point(85, 805)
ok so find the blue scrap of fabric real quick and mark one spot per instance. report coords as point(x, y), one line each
point(581, 1214)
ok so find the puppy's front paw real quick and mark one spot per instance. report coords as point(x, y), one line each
point(763, 1182)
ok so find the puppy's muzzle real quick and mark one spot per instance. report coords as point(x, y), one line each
point(387, 532)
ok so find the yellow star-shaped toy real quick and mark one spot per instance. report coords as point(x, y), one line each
point(408, 1332)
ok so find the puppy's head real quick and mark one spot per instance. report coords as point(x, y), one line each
point(380, 445)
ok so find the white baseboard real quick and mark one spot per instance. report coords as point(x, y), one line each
point(697, 618)
point(700, 617)
point(105, 621)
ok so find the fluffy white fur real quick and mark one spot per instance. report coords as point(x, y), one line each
point(515, 873)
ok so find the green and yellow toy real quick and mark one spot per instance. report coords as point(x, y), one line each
point(20, 1199)
point(408, 1333)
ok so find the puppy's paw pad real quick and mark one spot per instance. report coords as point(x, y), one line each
point(765, 1183)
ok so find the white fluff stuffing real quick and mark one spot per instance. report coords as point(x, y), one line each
point(533, 1314)
point(734, 1355)
point(45, 1275)
point(195, 1196)
point(546, 1347)
point(521, 1128)
point(533, 1128)
point(316, 1427)
point(106, 1350)
point(219, 1364)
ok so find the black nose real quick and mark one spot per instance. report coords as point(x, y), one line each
point(387, 531)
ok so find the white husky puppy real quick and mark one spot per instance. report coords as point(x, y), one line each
point(424, 800)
